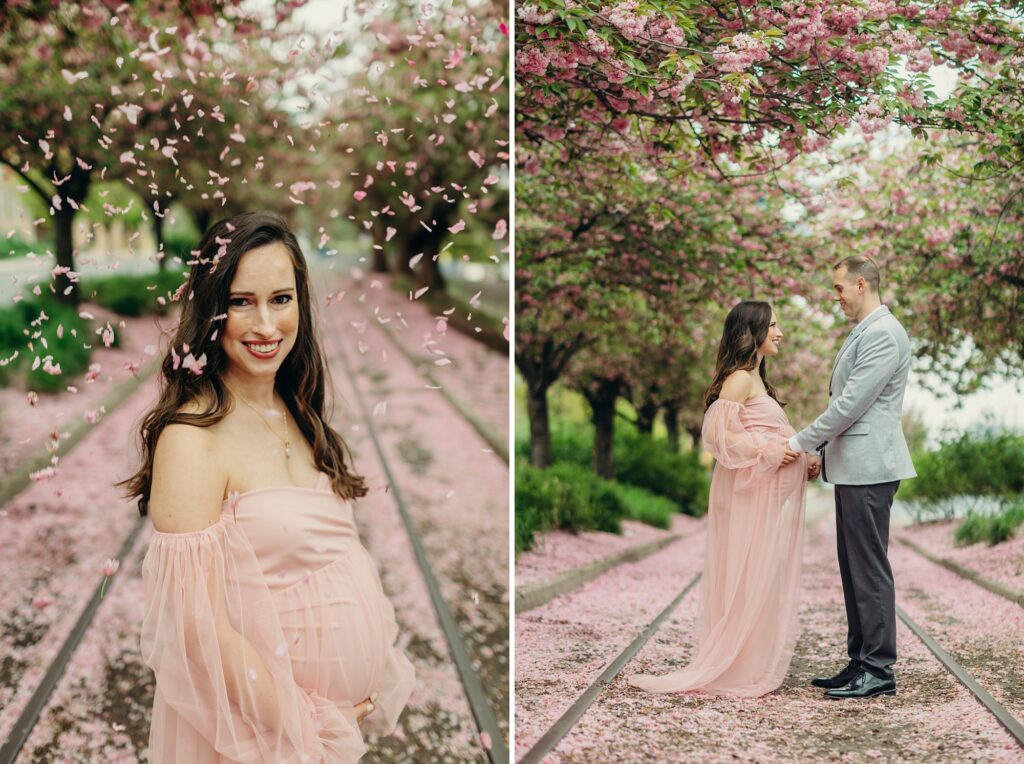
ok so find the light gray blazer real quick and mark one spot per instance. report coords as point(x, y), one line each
point(861, 430)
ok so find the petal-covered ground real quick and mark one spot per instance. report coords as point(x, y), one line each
point(561, 550)
point(100, 710)
point(933, 718)
point(1002, 563)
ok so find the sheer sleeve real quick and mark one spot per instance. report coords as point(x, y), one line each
point(736, 447)
point(211, 635)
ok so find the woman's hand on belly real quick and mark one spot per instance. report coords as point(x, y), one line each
point(359, 711)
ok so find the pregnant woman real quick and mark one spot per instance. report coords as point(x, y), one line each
point(265, 622)
point(746, 626)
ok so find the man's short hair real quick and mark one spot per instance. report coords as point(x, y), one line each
point(863, 267)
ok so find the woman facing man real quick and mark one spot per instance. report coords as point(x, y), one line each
point(746, 628)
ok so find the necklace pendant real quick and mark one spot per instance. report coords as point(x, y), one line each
point(287, 450)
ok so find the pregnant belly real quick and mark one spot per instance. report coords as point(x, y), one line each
point(337, 627)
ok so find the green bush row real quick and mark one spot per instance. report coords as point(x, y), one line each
point(562, 496)
point(571, 497)
point(639, 460)
point(994, 528)
point(68, 350)
point(18, 247)
point(980, 463)
point(132, 294)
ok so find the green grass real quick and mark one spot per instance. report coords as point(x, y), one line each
point(994, 528)
point(646, 507)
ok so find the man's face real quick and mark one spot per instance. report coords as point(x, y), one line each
point(849, 292)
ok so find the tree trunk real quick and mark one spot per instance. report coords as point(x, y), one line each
point(203, 218)
point(645, 414)
point(695, 436)
point(540, 431)
point(601, 398)
point(74, 189)
point(380, 256)
point(62, 222)
point(158, 234)
point(427, 272)
point(671, 415)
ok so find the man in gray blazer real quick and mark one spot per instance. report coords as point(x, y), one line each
point(865, 456)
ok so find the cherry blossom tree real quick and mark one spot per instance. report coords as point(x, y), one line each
point(424, 133)
point(752, 82)
point(88, 93)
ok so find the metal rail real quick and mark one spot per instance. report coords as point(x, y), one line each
point(475, 693)
point(568, 720)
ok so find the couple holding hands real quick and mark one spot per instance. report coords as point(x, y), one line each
point(746, 627)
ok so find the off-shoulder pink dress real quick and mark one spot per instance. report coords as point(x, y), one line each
point(262, 627)
point(746, 627)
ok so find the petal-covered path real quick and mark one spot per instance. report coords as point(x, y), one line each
point(564, 645)
point(56, 535)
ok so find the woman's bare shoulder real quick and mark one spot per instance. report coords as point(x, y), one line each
point(188, 477)
point(737, 386)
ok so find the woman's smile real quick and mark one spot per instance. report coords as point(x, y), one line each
point(263, 350)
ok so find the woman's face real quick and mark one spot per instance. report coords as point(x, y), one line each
point(263, 312)
point(770, 346)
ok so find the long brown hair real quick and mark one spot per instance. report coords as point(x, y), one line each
point(301, 381)
point(746, 328)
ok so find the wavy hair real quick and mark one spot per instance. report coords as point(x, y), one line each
point(746, 328)
point(302, 380)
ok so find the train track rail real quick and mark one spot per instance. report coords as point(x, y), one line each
point(476, 695)
point(550, 739)
point(475, 692)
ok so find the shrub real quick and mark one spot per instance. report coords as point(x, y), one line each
point(645, 507)
point(133, 295)
point(642, 461)
point(67, 350)
point(991, 528)
point(563, 496)
point(529, 514)
point(639, 460)
point(15, 246)
point(976, 465)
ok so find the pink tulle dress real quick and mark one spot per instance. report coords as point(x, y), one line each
point(746, 627)
point(262, 627)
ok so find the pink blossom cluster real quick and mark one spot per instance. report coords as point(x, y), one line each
point(936, 235)
point(531, 14)
point(871, 116)
point(624, 17)
point(803, 31)
point(532, 60)
point(743, 52)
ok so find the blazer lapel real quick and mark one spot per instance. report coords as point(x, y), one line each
point(858, 329)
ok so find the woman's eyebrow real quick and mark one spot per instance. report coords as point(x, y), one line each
point(252, 294)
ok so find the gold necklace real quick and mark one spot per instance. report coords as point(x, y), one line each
point(287, 442)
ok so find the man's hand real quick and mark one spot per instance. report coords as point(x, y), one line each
point(813, 467)
point(790, 457)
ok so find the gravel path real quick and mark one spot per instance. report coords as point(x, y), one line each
point(933, 718)
point(100, 710)
point(560, 550)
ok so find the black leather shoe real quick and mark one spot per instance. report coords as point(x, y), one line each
point(864, 685)
point(841, 679)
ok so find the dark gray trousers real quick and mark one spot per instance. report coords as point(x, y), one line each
point(862, 531)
